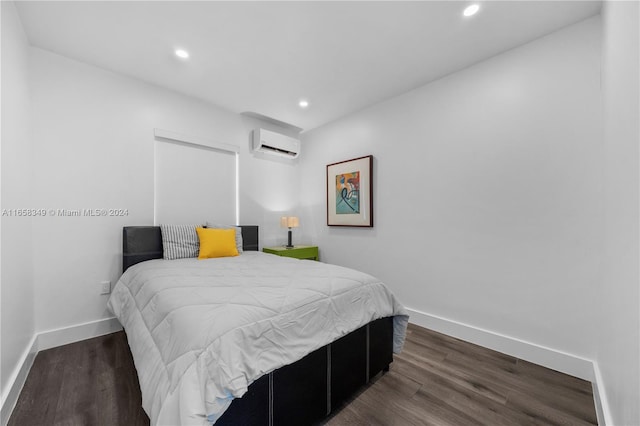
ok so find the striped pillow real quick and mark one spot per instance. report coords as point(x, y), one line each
point(238, 233)
point(180, 241)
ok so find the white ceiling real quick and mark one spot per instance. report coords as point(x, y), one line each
point(262, 57)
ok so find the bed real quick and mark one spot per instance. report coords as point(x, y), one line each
point(327, 331)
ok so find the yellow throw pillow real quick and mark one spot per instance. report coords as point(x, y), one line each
point(217, 242)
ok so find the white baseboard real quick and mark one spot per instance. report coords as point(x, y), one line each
point(46, 340)
point(17, 380)
point(600, 398)
point(63, 336)
point(547, 357)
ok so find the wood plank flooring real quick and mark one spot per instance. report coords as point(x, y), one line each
point(437, 380)
point(92, 382)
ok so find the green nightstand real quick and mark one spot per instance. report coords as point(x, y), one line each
point(299, 252)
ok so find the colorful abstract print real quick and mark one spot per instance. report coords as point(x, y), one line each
point(348, 193)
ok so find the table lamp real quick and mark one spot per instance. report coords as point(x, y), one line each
point(289, 222)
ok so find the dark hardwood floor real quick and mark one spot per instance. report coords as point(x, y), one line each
point(92, 382)
point(437, 380)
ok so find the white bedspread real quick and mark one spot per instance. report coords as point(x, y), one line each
point(201, 331)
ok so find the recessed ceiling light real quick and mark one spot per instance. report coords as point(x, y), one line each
point(471, 10)
point(182, 54)
point(303, 103)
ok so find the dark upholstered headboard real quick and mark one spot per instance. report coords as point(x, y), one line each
point(140, 243)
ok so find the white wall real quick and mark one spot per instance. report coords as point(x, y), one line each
point(93, 148)
point(618, 355)
point(487, 192)
point(17, 310)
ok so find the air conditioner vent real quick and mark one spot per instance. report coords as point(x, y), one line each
point(274, 143)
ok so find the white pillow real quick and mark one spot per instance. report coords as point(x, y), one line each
point(180, 241)
point(238, 233)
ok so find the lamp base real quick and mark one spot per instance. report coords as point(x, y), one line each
point(289, 243)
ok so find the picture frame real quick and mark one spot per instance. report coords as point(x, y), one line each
point(350, 192)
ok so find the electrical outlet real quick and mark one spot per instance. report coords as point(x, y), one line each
point(105, 287)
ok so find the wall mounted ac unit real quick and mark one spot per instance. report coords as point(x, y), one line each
point(275, 143)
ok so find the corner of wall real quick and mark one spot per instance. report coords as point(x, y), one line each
point(47, 340)
point(600, 398)
point(17, 380)
point(17, 334)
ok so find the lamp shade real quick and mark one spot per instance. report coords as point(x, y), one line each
point(289, 222)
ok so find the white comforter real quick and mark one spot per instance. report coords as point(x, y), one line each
point(201, 331)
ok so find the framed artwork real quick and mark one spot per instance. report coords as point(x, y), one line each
point(350, 192)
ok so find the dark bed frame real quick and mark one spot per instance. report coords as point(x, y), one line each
point(307, 391)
